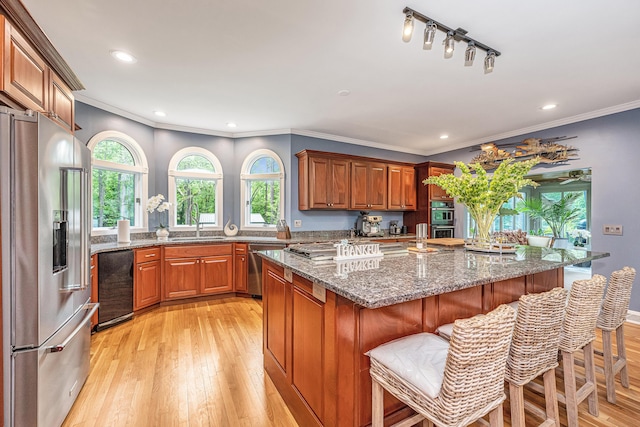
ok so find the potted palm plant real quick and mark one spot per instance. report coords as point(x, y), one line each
point(556, 213)
point(482, 196)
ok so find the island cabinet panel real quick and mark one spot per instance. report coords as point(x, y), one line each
point(368, 186)
point(147, 278)
point(216, 274)
point(402, 188)
point(506, 291)
point(276, 293)
point(545, 280)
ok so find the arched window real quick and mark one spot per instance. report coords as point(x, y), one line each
point(262, 190)
point(119, 182)
point(195, 189)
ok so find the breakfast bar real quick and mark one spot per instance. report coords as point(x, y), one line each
point(320, 318)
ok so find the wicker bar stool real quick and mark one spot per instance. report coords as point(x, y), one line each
point(447, 383)
point(577, 333)
point(612, 316)
point(534, 352)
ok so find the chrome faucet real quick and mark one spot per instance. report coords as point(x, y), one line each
point(195, 205)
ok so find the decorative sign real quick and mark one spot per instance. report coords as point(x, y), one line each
point(347, 251)
point(343, 268)
point(547, 150)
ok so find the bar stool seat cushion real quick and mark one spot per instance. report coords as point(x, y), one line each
point(419, 359)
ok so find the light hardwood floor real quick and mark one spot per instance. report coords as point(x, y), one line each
point(200, 364)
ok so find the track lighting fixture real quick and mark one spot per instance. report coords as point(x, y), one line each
point(449, 45)
point(407, 31)
point(452, 36)
point(470, 54)
point(489, 61)
point(429, 35)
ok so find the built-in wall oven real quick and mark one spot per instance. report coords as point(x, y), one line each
point(442, 219)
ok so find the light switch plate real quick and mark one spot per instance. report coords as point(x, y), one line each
point(297, 223)
point(613, 230)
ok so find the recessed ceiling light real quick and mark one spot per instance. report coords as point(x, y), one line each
point(123, 56)
point(231, 124)
point(160, 113)
point(445, 136)
point(344, 92)
point(549, 106)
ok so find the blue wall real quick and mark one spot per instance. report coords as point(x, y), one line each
point(609, 145)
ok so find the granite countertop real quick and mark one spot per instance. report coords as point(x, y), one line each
point(189, 240)
point(399, 278)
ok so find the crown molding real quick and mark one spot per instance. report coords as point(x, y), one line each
point(543, 126)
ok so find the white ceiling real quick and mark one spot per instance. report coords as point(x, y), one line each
point(274, 65)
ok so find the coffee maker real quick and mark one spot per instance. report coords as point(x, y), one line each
point(369, 225)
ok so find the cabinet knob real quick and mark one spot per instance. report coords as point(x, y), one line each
point(140, 268)
point(242, 259)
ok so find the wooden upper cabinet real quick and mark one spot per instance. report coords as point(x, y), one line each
point(323, 182)
point(28, 82)
point(402, 188)
point(368, 186)
point(25, 75)
point(435, 192)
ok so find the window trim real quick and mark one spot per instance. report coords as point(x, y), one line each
point(217, 176)
point(140, 168)
point(245, 179)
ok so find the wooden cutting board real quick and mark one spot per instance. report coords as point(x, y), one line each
point(446, 241)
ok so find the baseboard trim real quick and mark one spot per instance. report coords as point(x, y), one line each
point(633, 317)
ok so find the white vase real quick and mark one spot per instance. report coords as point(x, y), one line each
point(163, 234)
point(540, 241)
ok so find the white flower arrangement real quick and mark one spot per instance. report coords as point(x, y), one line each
point(157, 204)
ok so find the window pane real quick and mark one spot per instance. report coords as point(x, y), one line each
point(196, 162)
point(264, 202)
point(113, 197)
point(113, 151)
point(265, 165)
point(195, 196)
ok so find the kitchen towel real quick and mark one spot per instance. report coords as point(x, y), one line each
point(123, 231)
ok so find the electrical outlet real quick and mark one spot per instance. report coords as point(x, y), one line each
point(614, 230)
point(297, 223)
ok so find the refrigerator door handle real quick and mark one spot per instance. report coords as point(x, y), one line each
point(59, 347)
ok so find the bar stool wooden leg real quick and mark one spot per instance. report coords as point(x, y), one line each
point(609, 373)
point(516, 404)
point(551, 397)
point(590, 372)
point(570, 389)
point(495, 417)
point(377, 404)
point(622, 356)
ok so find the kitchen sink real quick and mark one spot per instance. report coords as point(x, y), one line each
point(184, 239)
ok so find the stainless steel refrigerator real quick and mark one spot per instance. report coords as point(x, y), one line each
point(45, 190)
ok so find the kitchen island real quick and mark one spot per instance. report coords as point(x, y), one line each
point(321, 318)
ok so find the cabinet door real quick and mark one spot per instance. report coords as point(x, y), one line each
point(395, 197)
point(25, 76)
point(146, 285)
point(437, 193)
point(308, 350)
point(339, 184)
point(359, 174)
point(181, 277)
point(377, 186)
point(241, 272)
point(409, 188)
point(319, 172)
point(216, 274)
point(274, 292)
point(61, 103)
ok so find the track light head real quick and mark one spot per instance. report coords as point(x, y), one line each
point(470, 54)
point(407, 30)
point(449, 45)
point(489, 62)
point(429, 35)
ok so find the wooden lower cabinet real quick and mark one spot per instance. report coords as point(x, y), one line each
point(147, 278)
point(241, 268)
point(195, 270)
point(315, 348)
point(94, 287)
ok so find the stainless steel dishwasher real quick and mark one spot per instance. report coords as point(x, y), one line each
point(255, 266)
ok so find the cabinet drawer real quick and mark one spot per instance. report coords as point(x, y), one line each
point(241, 248)
point(144, 255)
point(197, 250)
